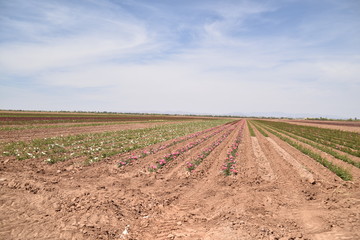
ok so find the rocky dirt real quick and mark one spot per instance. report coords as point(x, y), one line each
point(279, 193)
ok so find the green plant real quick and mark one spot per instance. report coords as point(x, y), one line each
point(339, 171)
point(251, 130)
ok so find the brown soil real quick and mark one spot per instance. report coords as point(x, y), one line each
point(102, 201)
point(262, 161)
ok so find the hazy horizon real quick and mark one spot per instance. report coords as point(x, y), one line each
point(287, 56)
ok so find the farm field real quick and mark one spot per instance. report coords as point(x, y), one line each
point(92, 176)
point(351, 126)
point(29, 125)
point(26, 118)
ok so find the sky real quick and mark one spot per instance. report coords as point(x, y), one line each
point(216, 57)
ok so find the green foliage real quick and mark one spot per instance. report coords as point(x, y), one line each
point(324, 149)
point(252, 133)
point(261, 130)
point(344, 141)
point(339, 171)
point(97, 146)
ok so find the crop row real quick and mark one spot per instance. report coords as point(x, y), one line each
point(251, 130)
point(229, 167)
point(175, 154)
point(85, 124)
point(191, 165)
point(339, 171)
point(323, 148)
point(96, 146)
point(261, 130)
point(21, 119)
point(145, 153)
point(344, 141)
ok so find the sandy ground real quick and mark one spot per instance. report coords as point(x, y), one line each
point(279, 193)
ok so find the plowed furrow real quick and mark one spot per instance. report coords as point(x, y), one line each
point(211, 165)
point(262, 161)
point(354, 170)
point(298, 167)
point(179, 163)
point(144, 163)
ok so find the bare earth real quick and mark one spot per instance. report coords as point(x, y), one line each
point(279, 193)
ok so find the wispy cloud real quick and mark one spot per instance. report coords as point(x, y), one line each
point(66, 37)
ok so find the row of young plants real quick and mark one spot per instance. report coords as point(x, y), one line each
point(344, 141)
point(97, 146)
point(251, 124)
point(191, 165)
point(339, 171)
point(261, 130)
point(175, 154)
point(51, 118)
point(251, 130)
point(45, 126)
point(229, 166)
point(323, 148)
point(144, 153)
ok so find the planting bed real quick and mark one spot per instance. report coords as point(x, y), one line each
point(213, 179)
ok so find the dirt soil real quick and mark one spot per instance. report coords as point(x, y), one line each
point(279, 193)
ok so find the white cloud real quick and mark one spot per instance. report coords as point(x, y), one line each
point(32, 57)
point(59, 36)
point(230, 19)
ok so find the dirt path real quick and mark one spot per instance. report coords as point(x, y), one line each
point(262, 161)
point(300, 169)
point(267, 199)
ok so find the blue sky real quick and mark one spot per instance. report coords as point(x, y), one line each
point(290, 56)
